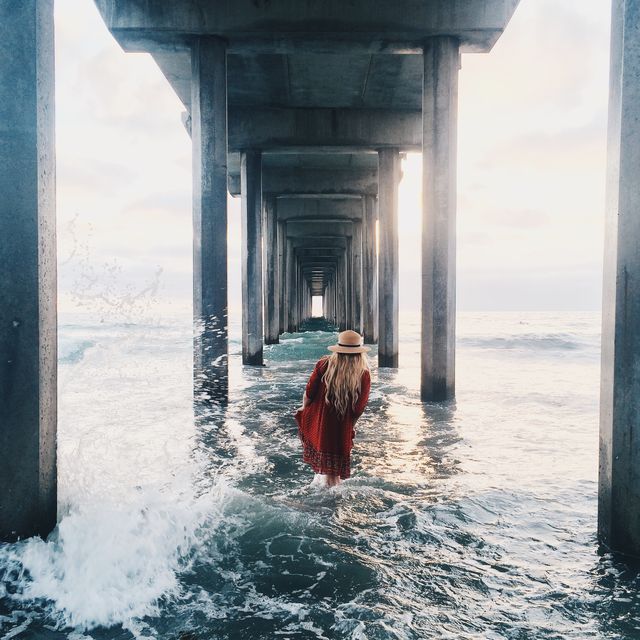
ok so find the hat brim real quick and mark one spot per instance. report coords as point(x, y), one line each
point(336, 348)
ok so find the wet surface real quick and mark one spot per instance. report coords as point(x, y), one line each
point(468, 519)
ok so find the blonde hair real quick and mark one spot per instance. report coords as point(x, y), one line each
point(343, 379)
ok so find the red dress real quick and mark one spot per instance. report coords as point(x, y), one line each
point(326, 437)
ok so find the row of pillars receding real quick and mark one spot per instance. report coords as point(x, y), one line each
point(276, 295)
point(340, 265)
point(28, 323)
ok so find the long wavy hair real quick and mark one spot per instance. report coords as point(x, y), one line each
point(343, 379)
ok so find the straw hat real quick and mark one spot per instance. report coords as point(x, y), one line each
point(349, 342)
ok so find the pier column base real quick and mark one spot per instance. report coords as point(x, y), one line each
point(619, 482)
point(28, 329)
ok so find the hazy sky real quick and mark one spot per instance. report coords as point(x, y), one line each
point(531, 166)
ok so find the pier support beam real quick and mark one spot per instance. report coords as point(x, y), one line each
point(388, 281)
point(291, 286)
point(349, 283)
point(619, 482)
point(271, 279)
point(209, 144)
point(252, 300)
point(357, 275)
point(439, 122)
point(28, 342)
point(282, 282)
point(341, 294)
point(370, 271)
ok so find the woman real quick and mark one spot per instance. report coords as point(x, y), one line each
point(335, 397)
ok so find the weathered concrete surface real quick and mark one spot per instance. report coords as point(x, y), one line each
point(281, 273)
point(290, 286)
point(342, 292)
point(388, 279)
point(271, 277)
point(619, 483)
point(319, 208)
point(209, 145)
point(290, 26)
point(370, 271)
point(357, 276)
point(349, 282)
point(440, 109)
point(300, 181)
point(270, 128)
point(328, 129)
point(252, 298)
point(315, 229)
point(28, 333)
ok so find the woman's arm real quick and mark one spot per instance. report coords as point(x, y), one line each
point(313, 385)
point(363, 398)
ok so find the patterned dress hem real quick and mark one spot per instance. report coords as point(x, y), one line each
point(325, 461)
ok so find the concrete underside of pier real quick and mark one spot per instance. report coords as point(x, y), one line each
point(329, 95)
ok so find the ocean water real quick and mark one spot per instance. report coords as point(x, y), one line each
point(469, 519)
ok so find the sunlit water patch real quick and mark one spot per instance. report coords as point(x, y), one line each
point(468, 519)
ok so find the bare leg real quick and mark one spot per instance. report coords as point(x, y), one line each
point(332, 480)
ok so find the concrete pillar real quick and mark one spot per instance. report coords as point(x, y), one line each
point(28, 330)
point(252, 300)
point(439, 135)
point(349, 283)
point(305, 288)
point(326, 301)
point(336, 286)
point(388, 281)
point(271, 280)
point(619, 482)
point(369, 271)
point(281, 275)
point(291, 286)
point(209, 157)
point(299, 296)
point(344, 286)
point(341, 294)
point(357, 276)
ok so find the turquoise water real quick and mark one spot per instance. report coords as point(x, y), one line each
point(469, 519)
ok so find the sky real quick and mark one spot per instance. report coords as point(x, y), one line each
point(531, 172)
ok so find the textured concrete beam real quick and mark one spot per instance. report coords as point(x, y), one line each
point(319, 208)
point(323, 242)
point(328, 129)
point(312, 229)
point(301, 181)
point(289, 26)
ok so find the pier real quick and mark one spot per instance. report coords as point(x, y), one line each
point(304, 111)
